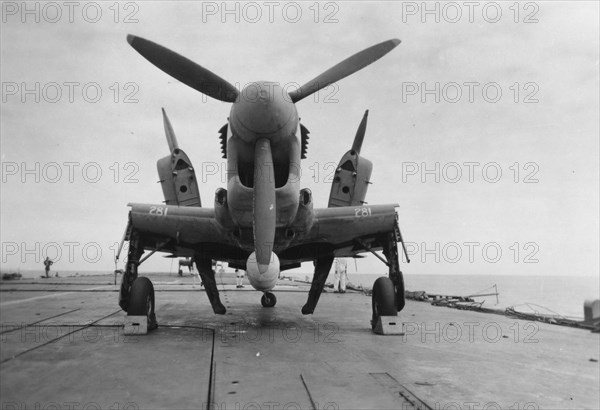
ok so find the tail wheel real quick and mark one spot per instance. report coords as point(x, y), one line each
point(383, 299)
point(141, 301)
point(268, 299)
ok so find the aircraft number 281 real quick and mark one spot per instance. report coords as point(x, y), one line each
point(158, 210)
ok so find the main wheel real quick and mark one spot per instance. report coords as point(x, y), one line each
point(141, 301)
point(383, 299)
point(268, 299)
point(400, 299)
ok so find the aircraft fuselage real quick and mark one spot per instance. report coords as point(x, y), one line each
point(263, 161)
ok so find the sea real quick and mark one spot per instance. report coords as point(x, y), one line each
point(561, 295)
point(554, 295)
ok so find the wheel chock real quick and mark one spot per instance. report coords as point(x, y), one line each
point(135, 325)
point(389, 325)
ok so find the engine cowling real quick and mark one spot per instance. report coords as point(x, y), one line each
point(263, 281)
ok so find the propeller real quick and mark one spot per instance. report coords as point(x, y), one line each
point(264, 204)
point(341, 70)
point(184, 70)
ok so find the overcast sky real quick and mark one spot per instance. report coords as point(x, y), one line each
point(516, 90)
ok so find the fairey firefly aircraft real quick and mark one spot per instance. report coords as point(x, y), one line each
point(263, 222)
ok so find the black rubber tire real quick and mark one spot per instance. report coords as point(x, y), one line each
point(383, 299)
point(268, 300)
point(400, 298)
point(141, 298)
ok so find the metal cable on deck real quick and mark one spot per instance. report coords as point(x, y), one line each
point(39, 321)
point(57, 338)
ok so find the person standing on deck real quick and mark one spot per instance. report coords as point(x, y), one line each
point(341, 277)
point(239, 274)
point(47, 264)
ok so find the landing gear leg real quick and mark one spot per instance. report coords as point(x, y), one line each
point(322, 268)
point(136, 249)
point(207, 275)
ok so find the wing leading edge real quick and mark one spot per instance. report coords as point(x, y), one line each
point(345, 231)
point(185, 231)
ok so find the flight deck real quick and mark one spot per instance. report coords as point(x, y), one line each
point(63, 346)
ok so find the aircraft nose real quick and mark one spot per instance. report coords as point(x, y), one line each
point(263, 110)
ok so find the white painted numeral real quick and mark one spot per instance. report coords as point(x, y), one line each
point(362, 212)
point(158, 210)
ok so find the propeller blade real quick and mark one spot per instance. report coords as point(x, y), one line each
point(264, 204)
point(349, 66)
point(360, 133)
point(170, 134)
point(184, 70)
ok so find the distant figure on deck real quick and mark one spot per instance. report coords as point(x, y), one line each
point(47, 264)
point(185, 262)
point(341, 276)
point(239, 274)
